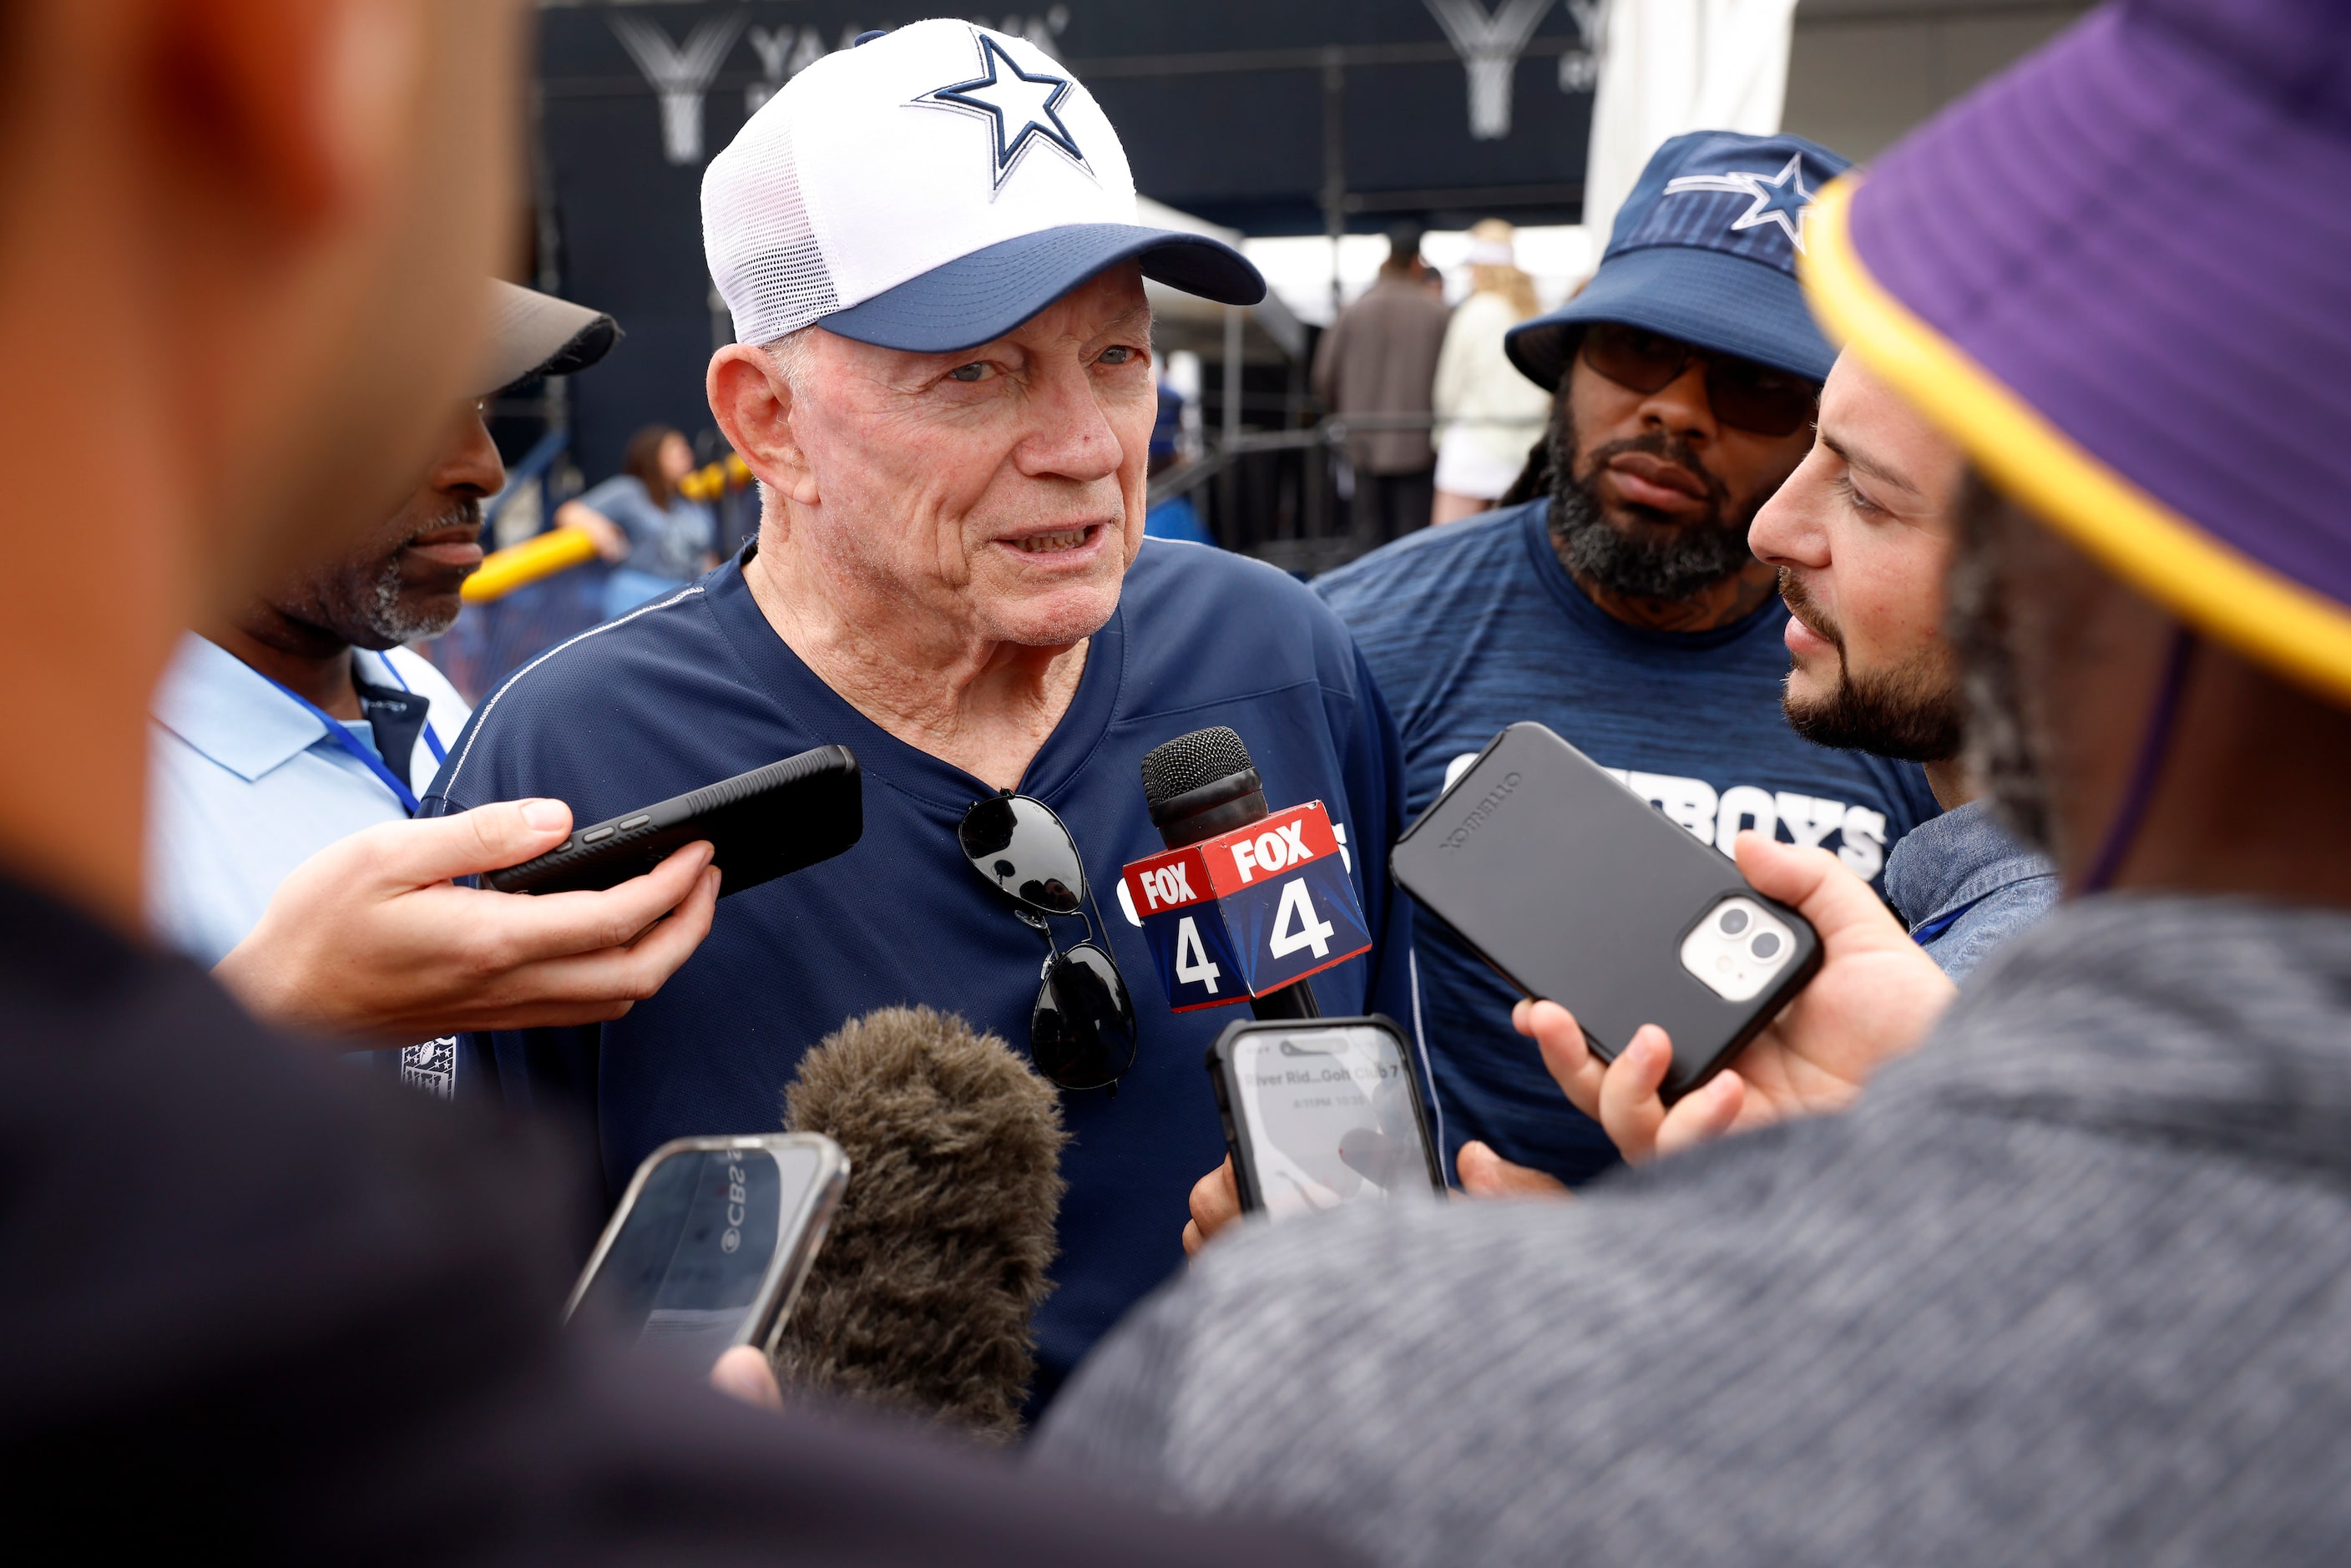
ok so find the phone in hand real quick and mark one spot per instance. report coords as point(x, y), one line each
point(710, 1245)
point(1323, 1111)
point(1575, 889)
point(781, 817)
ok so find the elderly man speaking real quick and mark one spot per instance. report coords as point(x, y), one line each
point(944, 383)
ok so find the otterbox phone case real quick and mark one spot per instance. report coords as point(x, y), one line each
point(1575, 889)
point(764, 824)
point(1321, 1111)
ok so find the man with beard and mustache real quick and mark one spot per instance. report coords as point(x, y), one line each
point(304, 720)
point(1623, 609)
point(1861, 535)
point(2067, 1282)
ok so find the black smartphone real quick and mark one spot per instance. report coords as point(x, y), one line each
point(1323, 1111)
point(1575, 889)
point(710, 1245)
point(764, 824)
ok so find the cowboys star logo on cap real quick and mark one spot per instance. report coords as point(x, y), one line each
point(1781, 199)
point(1019, 106)
point(1703, 250)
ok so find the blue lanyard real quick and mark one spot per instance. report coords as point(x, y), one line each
point(432, 741)
point(1942, 922)
point(351, 743)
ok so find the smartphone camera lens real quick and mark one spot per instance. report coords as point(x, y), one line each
point(1764, 946)
point(1733, 922)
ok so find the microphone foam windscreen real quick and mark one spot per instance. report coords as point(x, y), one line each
point(1185, 764)
point(922, 1296)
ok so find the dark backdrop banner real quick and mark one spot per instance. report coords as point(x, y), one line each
point(1271, 116)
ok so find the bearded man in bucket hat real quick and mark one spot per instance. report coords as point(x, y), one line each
point(942, 380)
point(1621, 605)
point(2069, 1281)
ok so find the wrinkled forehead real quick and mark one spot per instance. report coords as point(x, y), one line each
point(1111, 305)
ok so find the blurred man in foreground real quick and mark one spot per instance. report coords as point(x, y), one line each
point(299, 1315)
point(2067, 1283)
point(1623, 609)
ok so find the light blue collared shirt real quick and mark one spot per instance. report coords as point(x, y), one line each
point(1963, 887)
point(245, 785)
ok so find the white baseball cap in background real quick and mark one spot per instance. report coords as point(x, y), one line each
point(929, 190)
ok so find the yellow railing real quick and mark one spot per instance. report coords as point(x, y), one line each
point(520, 565)
point(707, 484)
point(559, 549)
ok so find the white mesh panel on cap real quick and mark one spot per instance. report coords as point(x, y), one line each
point(756, 233)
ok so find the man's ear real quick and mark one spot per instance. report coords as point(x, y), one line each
point(753, 404)
point(306, 100)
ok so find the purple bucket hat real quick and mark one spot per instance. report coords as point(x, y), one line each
point(2119, 275)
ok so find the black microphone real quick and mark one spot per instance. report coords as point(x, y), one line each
point(922, 1297)
point(1202, 784)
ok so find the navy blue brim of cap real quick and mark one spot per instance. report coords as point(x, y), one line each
point(979, 297)
point(1726, 304)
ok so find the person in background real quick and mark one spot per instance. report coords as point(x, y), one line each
point(657, 539)
point(1378, 362)
point(1174, 517)
point(1625, 609)
point(1487, 411)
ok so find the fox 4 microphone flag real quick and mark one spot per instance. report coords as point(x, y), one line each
point(1248, 912)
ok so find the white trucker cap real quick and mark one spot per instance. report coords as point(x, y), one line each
point(931, 189)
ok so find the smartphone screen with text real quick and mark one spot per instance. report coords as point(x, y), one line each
point(1329, 1115)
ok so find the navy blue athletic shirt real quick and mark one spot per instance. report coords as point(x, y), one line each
point(696, 687)
point(1476, 625)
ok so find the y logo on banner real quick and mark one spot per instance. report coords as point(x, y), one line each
point(1489, 47)
point(681, 74)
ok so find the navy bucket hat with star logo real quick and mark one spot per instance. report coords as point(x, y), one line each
point(1703, 250)
point(932, 189)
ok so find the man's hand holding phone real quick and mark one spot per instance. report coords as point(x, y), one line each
point(372, 938)
point(1875, 996)
point(1216, 1204)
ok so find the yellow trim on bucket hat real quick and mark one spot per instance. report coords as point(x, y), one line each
point(2261, 611)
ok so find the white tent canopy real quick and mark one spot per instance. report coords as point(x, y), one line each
point(1667, 67)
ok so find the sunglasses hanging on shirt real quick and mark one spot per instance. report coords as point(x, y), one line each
point(1081, 1032)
